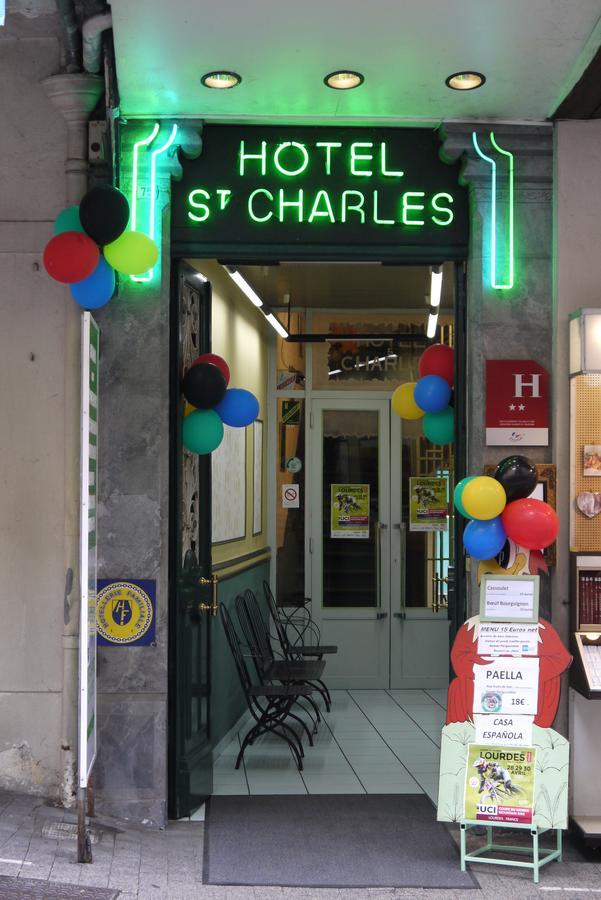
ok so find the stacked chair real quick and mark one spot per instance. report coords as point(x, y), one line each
point(280, 677)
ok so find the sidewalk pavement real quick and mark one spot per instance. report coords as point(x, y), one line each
point(38, 844)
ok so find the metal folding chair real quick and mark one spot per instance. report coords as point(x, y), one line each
point(295, 650)
point(270, 669)
point(268, 704)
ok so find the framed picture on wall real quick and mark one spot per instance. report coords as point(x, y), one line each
point(546, 490)
point(228, 464)
point(257, 476)
point(592, 460)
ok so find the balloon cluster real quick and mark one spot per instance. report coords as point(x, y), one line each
point(211, 404)
point(500, 507)
point(429, 398)
point(90, 242)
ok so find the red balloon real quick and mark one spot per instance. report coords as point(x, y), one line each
point(215, 361)
point(70, 257)
point(438, 360)
point(530, 523)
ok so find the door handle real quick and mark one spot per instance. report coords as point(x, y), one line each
point(213, 606)
point(380, 526)
point(402, 613)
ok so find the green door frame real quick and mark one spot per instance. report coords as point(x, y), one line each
point(190, 776)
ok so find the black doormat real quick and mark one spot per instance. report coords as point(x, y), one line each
point(324, 840)
point(33, 889)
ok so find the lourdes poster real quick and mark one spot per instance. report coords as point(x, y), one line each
point(499, 784)
point(349, 511)
point(428, 504)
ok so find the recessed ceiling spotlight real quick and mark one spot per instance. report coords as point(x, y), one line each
point(465, 81)
point(343, 80)
point(221, 80)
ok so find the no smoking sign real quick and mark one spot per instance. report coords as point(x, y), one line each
point(290, 496)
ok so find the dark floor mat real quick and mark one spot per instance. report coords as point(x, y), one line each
point(319, 840)
point(34, 889)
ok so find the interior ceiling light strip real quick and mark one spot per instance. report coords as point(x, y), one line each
point(276, 324)
point(432, 323)
point(153, 199)
point(245, 287)
point(497, 283)
point(435, 285)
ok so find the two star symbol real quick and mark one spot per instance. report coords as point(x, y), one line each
point(512, 407)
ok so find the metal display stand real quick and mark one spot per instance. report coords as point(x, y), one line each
point(537, 862)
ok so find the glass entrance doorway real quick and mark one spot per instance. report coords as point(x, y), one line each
point(379, 586)
point(379, 591)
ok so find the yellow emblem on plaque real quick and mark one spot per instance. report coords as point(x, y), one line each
point(123, 612)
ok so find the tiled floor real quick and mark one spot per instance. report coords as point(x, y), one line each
point(372, 742)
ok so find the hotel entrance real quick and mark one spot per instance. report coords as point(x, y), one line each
point(341, 297)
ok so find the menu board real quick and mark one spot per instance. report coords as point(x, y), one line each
point(507, 639)
point(506, 685)
point(511, 598)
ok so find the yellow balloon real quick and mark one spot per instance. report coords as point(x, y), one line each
point(484, 497)
point(188, 408)
point(403, 403)
point(133, 253)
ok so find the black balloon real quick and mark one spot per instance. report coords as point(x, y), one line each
point(104, 214)
point(518, 477)
point(204, 386)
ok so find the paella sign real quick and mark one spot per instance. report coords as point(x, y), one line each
point(125, 612)
point(507, 685)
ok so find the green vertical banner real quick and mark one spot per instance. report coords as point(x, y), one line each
point(90, 348)
point(428, 504)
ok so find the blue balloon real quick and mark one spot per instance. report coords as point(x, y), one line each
point(238, 408)
point(483, 539)
point(432, 393)
point(97, 289)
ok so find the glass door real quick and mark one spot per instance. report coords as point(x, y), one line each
point(350, 537)
point(379, 588)
point(421, 572)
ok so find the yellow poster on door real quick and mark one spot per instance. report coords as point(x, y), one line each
point(428, 504)
point(349, 511)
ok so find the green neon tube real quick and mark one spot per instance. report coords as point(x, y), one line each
point(153, 177)
point(510, 280)
point(134, 180)
point(493, 211)
point(498, 284)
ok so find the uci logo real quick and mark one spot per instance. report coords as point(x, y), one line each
point(488, 809)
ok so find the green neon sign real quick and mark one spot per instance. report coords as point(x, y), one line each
point(502, 265)
point(345, 187)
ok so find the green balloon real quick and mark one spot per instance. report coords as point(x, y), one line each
point(133, 253)
point(459, 488)
point(67, 220)
point(202, 431)
point(439, 427)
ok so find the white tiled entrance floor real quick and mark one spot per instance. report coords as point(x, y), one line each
point(372, 742)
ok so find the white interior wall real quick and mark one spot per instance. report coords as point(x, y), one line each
point(32, 580)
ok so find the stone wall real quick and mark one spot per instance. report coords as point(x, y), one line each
point(33, 605)
point(516, 323)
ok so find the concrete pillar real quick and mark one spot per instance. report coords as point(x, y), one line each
point(74, 96)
